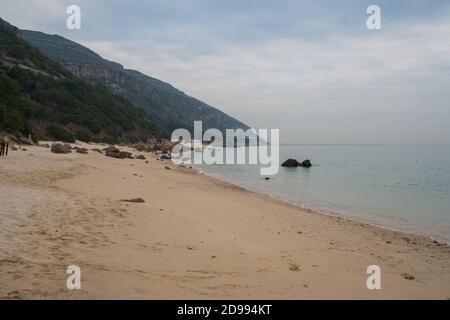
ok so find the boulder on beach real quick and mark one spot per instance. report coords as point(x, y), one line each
point(136, 200)
point(165, 157)
point(61, 148)
point(113, 154)
point(140, 157)
point(81, 150)
point(125, 155)
point(111, 149)
point(290, 163)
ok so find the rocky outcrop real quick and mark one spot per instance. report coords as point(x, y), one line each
point(81, 150)
point(294, 163)
point(111, 149)
point(125, 155)
point(306, 164)
point(290, 163)
point(113, 154)
point(61, 148)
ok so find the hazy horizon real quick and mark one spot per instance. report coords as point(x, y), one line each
point(313, 70)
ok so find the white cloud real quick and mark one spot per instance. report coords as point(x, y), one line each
point(297, 81)
point(34, 15)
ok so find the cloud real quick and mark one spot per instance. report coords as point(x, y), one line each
point(40, 15)
point(308, 68)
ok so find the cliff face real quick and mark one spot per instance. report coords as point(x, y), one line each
point(169, 107)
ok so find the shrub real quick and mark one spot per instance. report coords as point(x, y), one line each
point(83, 135)
point(59, 133)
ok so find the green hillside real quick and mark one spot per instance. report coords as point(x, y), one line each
point(39, 97)
point(169, 107)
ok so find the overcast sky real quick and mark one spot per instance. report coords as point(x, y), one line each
point(310, 68)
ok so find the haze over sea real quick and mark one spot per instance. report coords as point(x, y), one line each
point(401, 187)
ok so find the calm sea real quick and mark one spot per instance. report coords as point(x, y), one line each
point(399, 187)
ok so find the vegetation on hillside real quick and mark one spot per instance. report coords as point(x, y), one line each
point(169, 107)
point(39, 97)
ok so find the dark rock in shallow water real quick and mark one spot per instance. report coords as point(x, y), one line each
point(305, 164)
point(60, 148)
point(294, 163)
point(165, 157)
point(290, 163)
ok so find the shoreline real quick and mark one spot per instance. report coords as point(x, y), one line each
point(330, 213)
point(196, 236)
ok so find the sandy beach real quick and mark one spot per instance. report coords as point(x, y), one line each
point(194, 238)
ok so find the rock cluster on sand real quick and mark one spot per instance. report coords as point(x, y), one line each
point(163, 145)
point(61, 148)
point(111, 149)
point(114, 152)
point(81, 150)
point(294, 163)
point(125, 155)
point(140, 157)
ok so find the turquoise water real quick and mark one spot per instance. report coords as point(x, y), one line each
point(400, 187)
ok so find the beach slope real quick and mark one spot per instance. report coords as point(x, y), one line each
point(194, 237)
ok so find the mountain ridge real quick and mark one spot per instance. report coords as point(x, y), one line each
point(39, 97)
point(168, 106)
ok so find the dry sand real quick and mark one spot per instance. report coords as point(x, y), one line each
point(194, 238)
